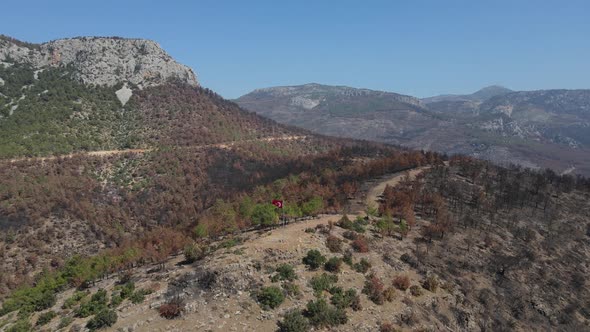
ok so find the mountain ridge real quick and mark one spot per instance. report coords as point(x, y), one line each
point(103, 61)
point(494, 122)
point(479, 95)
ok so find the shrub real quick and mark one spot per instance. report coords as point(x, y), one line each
point(21, 325)
point(347, 258)
point(335, 290)
point(363, 266)
point(125, 277)
point(360, 244)
point(343, 300)
point(104, 318)
point(97, 303)
point(193, 252)
point(171, 309)
point(387, 327)
point(291, 289)
point(46, 301)
point(323, 282)
point(138, 296)
point(270, 297)
point(409, 318)
point(45, 318)
point(99, 297)
point(116, 299)
point(74, 299)
point(409, 259)
point(415, 290)
point(389, 294)
point(314, 259)
point(293, 321)
point(362, 221)
point(321, 314)
point(25, 312)
point(323, 229)
point(350, 235)
point(345, 223)
point(65, 321)
point(358, 227)
point(356, 303)
point(200, 231)
point(285, 272)
point(334, 244)
point(430, 283)
point(374, 289)
point(401, 282)
point(230, 243)
point(127, 289)
point(36, 298)
point(333, 264)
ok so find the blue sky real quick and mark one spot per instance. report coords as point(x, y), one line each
point(420, 48)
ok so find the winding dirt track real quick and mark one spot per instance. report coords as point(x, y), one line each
point(290, 239)
point(104, 153)
point(376, 191)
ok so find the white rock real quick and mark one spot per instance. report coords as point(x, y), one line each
point(123, 94)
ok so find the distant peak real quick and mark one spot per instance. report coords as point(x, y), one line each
point(490, 91)
point(493, 88)
point(480, 95)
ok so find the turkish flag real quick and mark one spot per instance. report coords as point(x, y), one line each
point(277, 203)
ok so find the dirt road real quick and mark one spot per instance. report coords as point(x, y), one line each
point(274, 246)
point(104, 153)
point(393, 180)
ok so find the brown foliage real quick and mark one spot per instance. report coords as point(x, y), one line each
point(171, 309)
point(387, 327)
point(401, 282)
point(334, 244)
point(430, 283)
point(374, 289)
point(360, 244)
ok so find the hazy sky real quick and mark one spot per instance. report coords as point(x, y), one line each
point(420, 48)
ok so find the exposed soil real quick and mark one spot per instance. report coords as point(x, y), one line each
point(229, 305)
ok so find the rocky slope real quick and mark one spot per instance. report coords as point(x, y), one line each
point(558, 116)
point(101, 60)
point(342, 111)
point(72, 95)
point(532, 128)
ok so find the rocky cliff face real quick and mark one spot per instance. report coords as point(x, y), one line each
point(101, 60)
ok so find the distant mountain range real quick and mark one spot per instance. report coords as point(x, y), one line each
point(537, 129)
point(480, 95)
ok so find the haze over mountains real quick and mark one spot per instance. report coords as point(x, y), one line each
point(538, 129)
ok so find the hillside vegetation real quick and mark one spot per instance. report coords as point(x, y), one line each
point(154, 213)
point(460, 247)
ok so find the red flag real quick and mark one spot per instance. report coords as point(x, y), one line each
point(277, 203)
